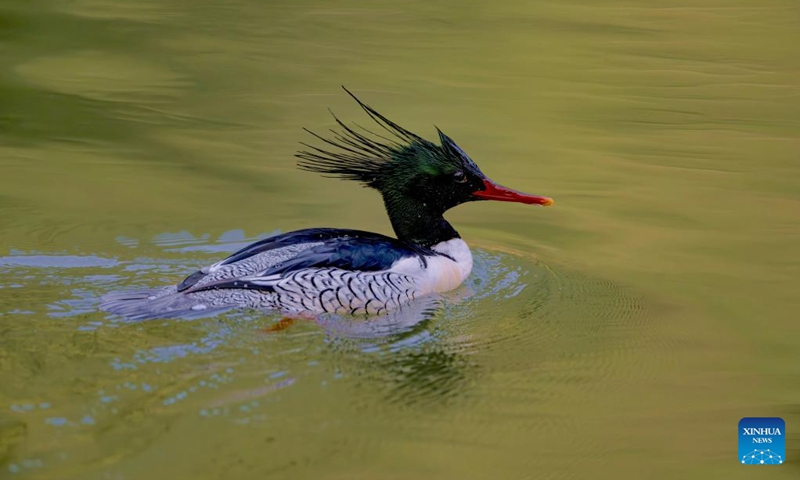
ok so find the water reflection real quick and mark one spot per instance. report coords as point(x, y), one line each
point(237, 367)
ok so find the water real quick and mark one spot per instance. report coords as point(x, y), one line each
point(620, 334)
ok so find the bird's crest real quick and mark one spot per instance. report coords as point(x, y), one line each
point(361, 154)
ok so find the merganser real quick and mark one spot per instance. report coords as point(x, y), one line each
point(330, 270)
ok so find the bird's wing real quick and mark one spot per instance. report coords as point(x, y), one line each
point(348, 250)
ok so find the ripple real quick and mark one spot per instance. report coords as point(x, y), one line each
point(512, 314)
point(102, 76)
point(58, 261)
point(522, 307)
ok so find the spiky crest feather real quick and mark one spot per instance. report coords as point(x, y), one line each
point(362, 156)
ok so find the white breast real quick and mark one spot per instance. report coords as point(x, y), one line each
point(442, 274)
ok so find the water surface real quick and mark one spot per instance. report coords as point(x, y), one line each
point(622, 333)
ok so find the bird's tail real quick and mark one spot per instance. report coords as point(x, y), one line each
point(151, 303)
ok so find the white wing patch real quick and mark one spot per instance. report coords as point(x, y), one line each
point(257, 263)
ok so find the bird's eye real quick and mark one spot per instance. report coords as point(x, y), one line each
point(459, 177)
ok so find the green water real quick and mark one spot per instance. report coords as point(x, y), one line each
point(620, 334)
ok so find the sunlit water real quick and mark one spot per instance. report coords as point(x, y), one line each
point(620, 334)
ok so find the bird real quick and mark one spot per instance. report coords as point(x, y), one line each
point(343, 271)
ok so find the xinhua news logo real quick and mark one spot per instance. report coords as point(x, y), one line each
point(762, 441)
